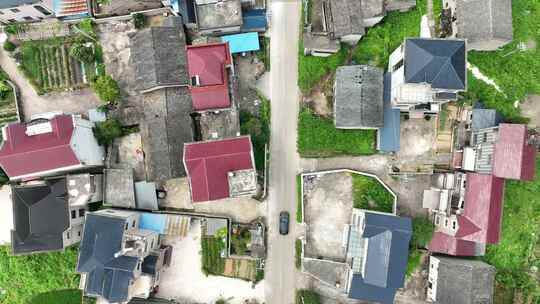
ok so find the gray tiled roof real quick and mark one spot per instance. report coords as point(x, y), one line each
point(107, 276)
point(464, 281)
point(346, 18)
point(159, 56)
point(41, 216)
point(480, 20)
point(166, 127)
point(386, 261)
point(485, 118)
point(358, 97)
point(441, 63)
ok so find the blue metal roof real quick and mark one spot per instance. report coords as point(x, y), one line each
point(245, 42)
point(386, 260)
point(389, 134)
point(254, 20)
point(153, 221)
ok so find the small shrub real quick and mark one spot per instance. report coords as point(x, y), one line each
point(82, 52)
point(107, 88)
point(139, 20)
point(106, 131)
point(9, 46)
point(12, 28)
point(4, 89)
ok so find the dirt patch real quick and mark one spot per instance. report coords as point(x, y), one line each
point(249, 70)
point(321, 97)
point(530, 108)
point(328, 207)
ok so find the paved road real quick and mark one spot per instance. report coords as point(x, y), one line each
point(284, 161)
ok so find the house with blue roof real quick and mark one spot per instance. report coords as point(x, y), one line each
point(388, 137)
point(377, 250)
point(427, 73)
point(254, 20)
point(119, 260)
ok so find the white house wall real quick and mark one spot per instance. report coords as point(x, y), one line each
point(7, 15)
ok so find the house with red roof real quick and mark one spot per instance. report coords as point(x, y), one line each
point(467, 214)
point(220, 169)
point(49, 146)
point(503, 150)
point(209, 68)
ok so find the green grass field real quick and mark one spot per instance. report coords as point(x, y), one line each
point(212, 263)
point(25, 277)
point(369, 194)
point(519, 247)
point(318, 137)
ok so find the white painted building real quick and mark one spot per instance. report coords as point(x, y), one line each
point(25, 10)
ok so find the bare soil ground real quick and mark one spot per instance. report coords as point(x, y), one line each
point(530, 108)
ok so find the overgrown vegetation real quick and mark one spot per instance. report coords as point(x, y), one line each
point(25, 277)
point(298, 254)
point(299, 199)
point(516, 72)
point(306, 296)
point(264, 53)
point(106, 131)
point(518, 251)
point(422, 233)
point(240, 238)
point(8, 107)
point(259, 129)
point(139, 20)
point(107, 89)
point(9, 46)
point(312, 69)
point(212, 262)
point(318, 137)
point(369, 194)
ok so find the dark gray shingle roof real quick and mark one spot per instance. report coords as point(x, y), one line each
point(386, 259)
point(441, 63)
point(41, 216)
point(485, 118)
point(159, 56)
point(166, 127)
point(107, 276)
point(480, 20)
point(464, 281)
point(358, 97)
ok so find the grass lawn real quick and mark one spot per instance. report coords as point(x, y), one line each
point(318, 137)
point(259, 129)
point(25, 277)
point(518, 73)
point(312, 69)
point(67, 296)
point(298, 254)
point(519, 247)
point(305, 296)
point(369, 194)
point(212, 262)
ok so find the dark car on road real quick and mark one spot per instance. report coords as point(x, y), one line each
point(284, 222)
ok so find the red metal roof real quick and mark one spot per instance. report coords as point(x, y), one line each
point(514, 158)
point(447, 244)
point(21, 154)
point(481, 219)
point(209, 62)
point(208, 163)
point(72, 7)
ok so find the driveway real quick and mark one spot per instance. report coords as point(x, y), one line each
point(284, 164)
point(184, 280)
point(78, 101)
point(6, 215)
